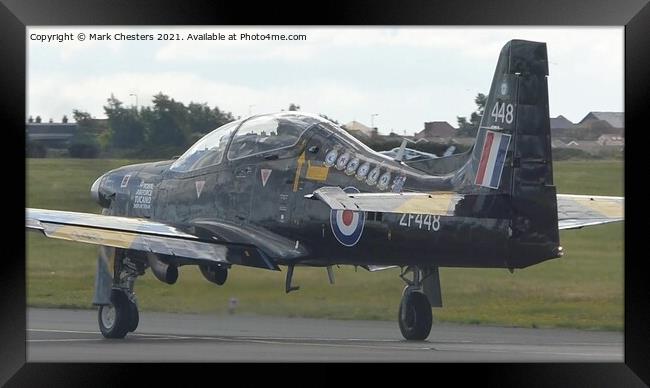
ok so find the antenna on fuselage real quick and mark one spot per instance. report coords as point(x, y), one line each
point(400, 152)
point(402, 149)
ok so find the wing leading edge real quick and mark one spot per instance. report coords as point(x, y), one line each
point(144, 235)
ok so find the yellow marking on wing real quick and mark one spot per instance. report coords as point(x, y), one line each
point(609, 208)
point(438, 204)
point(317, 173)
point(94, 236)
point(301, 161)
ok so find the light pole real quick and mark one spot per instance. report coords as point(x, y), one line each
point(249, 109)
point(372, 120)
point(136, 100)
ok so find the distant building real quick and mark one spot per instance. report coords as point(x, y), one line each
point(360, 130)
point(613, 119)
point(595, 124)
point(560, 126)
point(55, 135)
point(392, 136)
point(557, 144)
point(99, 125)
point(610, 140)
point(436, 130)
point(560, 122)
point(465, 141)
point(590, 146)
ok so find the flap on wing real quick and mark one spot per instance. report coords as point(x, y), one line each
point(143, 235)
point(439, 203)
point(577, 211)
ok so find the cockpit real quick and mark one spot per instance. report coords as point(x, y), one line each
point(251, 136)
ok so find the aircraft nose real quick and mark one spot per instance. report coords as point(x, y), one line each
point(94, 189)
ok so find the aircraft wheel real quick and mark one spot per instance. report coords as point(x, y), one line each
point(134, 316)
point(114, 318)
point(415, 316)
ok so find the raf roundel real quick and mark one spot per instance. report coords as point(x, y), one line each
point(347, 225)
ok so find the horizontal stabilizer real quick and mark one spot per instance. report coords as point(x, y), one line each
point(577, 211)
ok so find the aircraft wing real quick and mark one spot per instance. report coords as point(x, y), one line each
point(577, 211)
point(574, 211)
point(441, 203)
point(144, 235)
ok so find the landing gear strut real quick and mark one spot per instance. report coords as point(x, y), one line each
point(415, 317)
point(121, 316)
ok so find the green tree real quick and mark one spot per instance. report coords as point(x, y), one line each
point(85, 122)
point(64, 119)
point(84, 144)
point(203, 119)
point(38, 119)
point(169, 126)
point(480, 101)
point(294, 107)
point(200, 118)
point(470, 128)
point(80, 116)
point(222, 117)
point(464, 128)
point(126, 129)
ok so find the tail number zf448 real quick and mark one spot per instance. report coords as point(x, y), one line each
point(420, 221)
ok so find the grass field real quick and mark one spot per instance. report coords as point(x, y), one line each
point(584, 289)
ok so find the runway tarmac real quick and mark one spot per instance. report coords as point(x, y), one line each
point(73, 335)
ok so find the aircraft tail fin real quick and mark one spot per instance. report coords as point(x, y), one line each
point(512, 153)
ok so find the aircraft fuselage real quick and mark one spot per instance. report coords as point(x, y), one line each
point(265, 193)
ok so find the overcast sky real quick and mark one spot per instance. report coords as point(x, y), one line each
point(405, 75)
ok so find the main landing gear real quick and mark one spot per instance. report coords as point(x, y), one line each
point(415, 317)
point(121, 316)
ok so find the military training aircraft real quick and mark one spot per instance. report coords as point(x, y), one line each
point(293, 189)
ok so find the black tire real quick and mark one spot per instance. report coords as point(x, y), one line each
point(415, 316)
point(134, 316)
point(114, 318)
